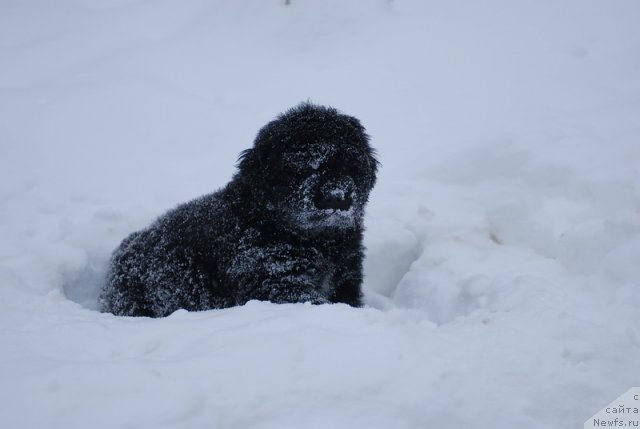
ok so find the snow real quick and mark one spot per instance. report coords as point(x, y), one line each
point(502, 236)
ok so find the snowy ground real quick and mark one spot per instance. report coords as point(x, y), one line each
point(503, 237)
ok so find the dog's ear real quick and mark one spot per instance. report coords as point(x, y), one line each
point(255, 161)
point(374, 165)
point(247, 161)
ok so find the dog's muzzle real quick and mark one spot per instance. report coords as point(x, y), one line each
point(335, 194)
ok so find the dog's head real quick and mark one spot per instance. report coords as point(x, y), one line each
point(313, 167)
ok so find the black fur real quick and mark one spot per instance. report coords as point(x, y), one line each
point(287, 228)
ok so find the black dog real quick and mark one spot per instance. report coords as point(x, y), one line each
point(287, 228)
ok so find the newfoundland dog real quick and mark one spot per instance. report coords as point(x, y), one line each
point(287, 228)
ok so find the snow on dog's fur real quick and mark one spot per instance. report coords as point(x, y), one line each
point(287, 228)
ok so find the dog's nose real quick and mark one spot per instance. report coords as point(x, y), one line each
point(335, 201)
point(335, 195)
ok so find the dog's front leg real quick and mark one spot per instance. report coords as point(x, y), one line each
point(279, 274)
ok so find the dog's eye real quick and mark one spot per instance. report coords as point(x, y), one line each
point(296, 161)
point(303, 162)
point(354, 162)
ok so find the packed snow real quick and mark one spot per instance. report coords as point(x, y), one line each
point(503, 235)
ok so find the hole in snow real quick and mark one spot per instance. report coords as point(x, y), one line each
point(83, 285)
point(388, 259)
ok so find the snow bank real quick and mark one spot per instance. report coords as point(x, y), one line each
point(503, 235)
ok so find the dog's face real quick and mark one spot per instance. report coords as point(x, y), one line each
point(314, 168)
point(327, 186)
